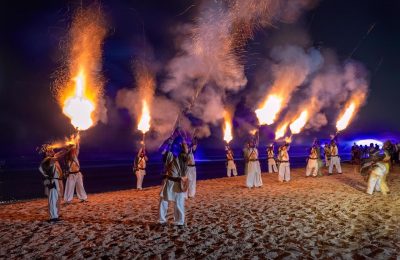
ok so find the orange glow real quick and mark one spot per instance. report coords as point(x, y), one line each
point(268, 112)
point(144, 122)
point(345, 118)
point(281, 131)
point(299, 123)
point(78, 107)
point(227, 128)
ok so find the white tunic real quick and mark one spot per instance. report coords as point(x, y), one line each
point(253, 178)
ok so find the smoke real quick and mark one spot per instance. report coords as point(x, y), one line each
point(334, 86)
point(209, 65)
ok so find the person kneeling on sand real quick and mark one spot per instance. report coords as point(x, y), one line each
point(376, 169)
point(284, 165)
point(175, 181)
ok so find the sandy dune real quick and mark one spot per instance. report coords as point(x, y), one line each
point(308, 217)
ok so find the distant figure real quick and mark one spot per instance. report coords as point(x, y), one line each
point(191, 169)
point(371, 149)
point(327, 154)
point(317, 146)
point(365, 151)
point(245, 156)
point(74, 175)
point(335, 159)
point(312, 162)
point(284, 164)
point(139, 167)
point(175, 181)
point(253, 178)
point(230, 162)
point(53, 177)
point(271, 159)
point(353, 151)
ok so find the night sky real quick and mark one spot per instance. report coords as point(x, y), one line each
point(32, 32)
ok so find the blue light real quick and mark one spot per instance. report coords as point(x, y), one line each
point(367, 142)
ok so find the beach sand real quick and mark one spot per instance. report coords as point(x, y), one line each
point(322, 217)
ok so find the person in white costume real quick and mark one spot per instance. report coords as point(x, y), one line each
point(312, 162)
point(253, 178)
point(284, 164)
point(271, 159)
point(174, 185)
point(335, 158)
point(230, 162)
point(191, 169)
point(74, 175)
point(50, 169)
point(376, 170)
point(139, 167)
point(327, 154)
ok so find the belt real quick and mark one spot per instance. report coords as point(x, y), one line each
point(191, 165)
point(229, 159)
point(312, 158)
point(271, 158)
point(334, 155)
point(141, 168)
point(283, 161)
point(253, 160)
point(175, 179)
point(74, 172)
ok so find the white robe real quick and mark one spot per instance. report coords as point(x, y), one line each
point(271, 162)
point(192, 175)
point(140, 173)
point(253, 178)
point(335, 160)
point(171, 190)
point(284, 166)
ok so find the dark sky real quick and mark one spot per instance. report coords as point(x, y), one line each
point(32, 32)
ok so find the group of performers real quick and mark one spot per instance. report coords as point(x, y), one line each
point(57, 167)
point(179, 170)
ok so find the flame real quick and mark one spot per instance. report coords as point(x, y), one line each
point(144, 122)
point(228, 132)
point(344, 120)
point(78, 107)
point(281, 131)
point(299, 123)
point(288, 139)
point(267, 113)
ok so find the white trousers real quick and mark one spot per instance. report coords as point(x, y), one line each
point(312, 167)
point(74, 180)
point(335, 161)
point(272, 166)
point(231, 168)
point(284, 171)
point(139, 178)
point(327, 161)
point(191, 174)
point(374, 182)
point(179, 209)
point(253, 178)
point(53, 203)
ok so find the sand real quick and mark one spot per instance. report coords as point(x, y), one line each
point(324, 217)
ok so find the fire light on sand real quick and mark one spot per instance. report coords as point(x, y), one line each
point(345, 118)
point(227, 128)
point(144, 122)
point(280, 132)
point(78, 107)
point(267, 113)
point(299, 123)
